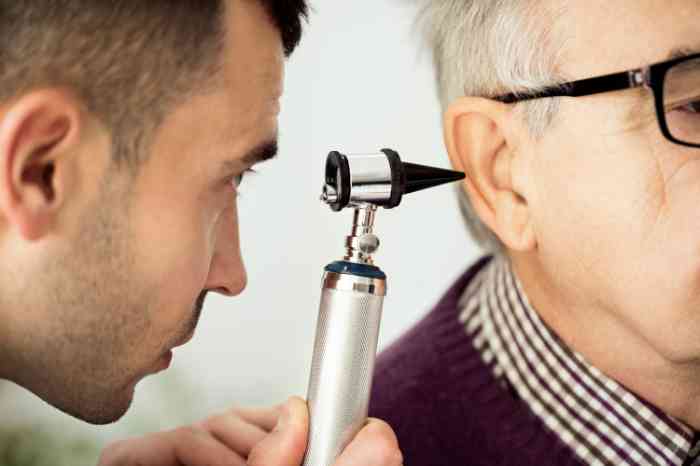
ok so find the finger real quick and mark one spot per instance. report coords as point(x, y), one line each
point(286, 444)
point(196, 447)
point(186, 446)
point(154, 449)
point(265, 418)
point(235, 432)
point(376, 444)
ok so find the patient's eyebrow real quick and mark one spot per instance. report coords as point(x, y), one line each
point(685, 51)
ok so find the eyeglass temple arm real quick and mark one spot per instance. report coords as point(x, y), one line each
point(608, 83)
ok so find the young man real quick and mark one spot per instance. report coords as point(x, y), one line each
point(577, 343)
point(125, 128)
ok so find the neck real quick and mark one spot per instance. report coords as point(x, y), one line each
point(613, 346)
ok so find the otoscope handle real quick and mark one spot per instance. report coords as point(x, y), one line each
point(343, 360)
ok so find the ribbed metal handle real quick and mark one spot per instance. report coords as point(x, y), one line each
point(342, 365)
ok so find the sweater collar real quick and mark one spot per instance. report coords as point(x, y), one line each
point(602, 421)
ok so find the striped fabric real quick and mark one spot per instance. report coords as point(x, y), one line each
point(604, 423)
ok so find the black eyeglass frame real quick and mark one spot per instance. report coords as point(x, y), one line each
point(651, 76)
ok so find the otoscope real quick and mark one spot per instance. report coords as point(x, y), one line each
point(352, 296)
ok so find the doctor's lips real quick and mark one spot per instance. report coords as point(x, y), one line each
point(196, 314)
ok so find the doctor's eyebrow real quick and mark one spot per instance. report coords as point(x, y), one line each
point(268, 150)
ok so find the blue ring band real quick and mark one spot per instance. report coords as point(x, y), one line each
point(352, 268)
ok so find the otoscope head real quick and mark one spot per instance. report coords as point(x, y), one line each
point(379, 179)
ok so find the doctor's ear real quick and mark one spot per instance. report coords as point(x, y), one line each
point(483, 138)
point(39, 135)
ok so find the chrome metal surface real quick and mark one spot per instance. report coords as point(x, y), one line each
point(341, 371)
point(639, 77)
point(345, 282)
point(358, 246)
point(370, 178)
point(369, 181)
point(329, 195)
point(369, 244)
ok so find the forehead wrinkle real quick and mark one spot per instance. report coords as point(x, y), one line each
point(644, 21)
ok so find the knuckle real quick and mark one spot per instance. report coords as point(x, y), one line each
point(207, 424)
point(188, 431)
point(234, 411)
point(255, 457)
point(221, 419)
point(229, 460)
point(113, 454)
point(211, 421)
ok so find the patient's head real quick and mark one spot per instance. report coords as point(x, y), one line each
point(585, 194)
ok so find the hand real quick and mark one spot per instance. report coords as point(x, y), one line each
point(256, 437)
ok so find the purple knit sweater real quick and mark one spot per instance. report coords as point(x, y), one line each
point(445, 405)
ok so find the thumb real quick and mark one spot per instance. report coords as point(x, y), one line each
point(286, 444)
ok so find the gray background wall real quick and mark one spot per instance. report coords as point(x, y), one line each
point(358, 83)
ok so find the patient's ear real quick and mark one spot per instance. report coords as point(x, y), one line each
point(482, 138)
point(39, 134)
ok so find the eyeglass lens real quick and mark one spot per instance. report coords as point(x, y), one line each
point(682, 101)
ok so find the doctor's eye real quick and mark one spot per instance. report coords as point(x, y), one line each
point(238, 180)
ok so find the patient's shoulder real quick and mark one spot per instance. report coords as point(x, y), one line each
point(423, 359)
point(445, 404)
point(429, 356)
point(427, 383)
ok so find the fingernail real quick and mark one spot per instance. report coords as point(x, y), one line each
point(285, 417)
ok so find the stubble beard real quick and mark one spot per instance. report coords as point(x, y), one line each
point(83, 360)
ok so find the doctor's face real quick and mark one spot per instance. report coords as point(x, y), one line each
point(115, 292)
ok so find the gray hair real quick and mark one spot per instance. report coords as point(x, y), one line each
point(491, 47)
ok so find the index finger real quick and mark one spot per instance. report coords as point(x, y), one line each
point(265, 418)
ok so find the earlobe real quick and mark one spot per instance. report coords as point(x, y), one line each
point(514, 223)
point(35, 132)
point(481, 142)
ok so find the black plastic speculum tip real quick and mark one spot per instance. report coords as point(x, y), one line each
point(379, 179)
point(419, 177)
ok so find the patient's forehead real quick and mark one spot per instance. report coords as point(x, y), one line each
point(603, 36)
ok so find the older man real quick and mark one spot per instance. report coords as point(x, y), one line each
point(577, 341)
point(125, 129)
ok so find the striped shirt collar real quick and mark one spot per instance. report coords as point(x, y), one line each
point(599, 419)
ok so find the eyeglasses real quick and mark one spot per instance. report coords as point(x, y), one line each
point(675, 84)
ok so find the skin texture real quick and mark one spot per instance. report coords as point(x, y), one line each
point(109, 270)
point(104, 272)
point(600, 215)
point(253, 437)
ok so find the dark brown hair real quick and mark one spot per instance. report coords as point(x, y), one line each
point(130, 61)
